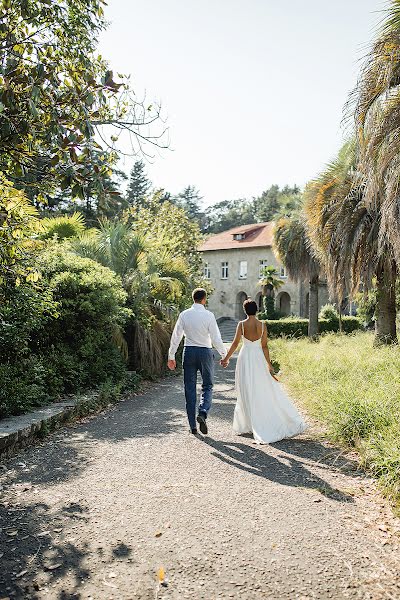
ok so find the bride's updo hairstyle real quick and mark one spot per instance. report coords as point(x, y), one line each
point(250, 307)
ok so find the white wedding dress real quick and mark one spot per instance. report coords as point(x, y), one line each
point(262, 407)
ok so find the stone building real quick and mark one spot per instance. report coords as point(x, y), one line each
point(233, 261)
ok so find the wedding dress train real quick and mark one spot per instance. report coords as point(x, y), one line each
point(262, 408)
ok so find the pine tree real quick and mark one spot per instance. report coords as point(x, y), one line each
point(190, 200)
point(139, 185)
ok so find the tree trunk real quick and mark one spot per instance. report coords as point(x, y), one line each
point(313, 308)
point(385, 312)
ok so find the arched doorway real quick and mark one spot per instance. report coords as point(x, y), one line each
point(239, 312)
point(283, 303)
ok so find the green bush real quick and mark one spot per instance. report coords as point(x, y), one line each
point(297, 328)
point(91, 301)
point(329, 312)
point(59, 337)
point(23, 385)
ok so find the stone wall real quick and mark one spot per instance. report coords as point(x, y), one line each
point(229, 294)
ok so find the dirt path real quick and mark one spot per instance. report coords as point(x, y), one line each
point(97, 509)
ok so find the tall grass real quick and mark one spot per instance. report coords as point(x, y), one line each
point(354, 389)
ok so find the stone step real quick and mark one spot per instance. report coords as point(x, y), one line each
point(228, 329)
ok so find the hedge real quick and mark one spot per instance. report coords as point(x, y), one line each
point(299, 327)
point(60, 336)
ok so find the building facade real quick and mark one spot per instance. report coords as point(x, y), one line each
point(233, 262)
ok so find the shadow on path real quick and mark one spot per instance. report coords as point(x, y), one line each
point(284, 470)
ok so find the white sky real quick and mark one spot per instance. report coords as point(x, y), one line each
point(253, 90)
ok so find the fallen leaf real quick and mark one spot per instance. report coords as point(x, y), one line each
point(21, 574)
point(158, 534)
point(43, 533)
point(161, 574)
point(12, 533)
point(53, 567)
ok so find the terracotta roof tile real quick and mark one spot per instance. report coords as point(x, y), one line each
point(256, 235)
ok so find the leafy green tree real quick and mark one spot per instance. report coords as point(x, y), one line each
point(272, 204)
point(190, 200)
point(168, 226)
point(275, 200)
point(230, 213)
point(139, 185)
point(149, 275)
point(267, 205)
point(58, 98)
point(19, 225)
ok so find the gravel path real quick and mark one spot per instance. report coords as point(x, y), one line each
point(96, 511)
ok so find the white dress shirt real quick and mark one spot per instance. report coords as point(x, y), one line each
point(200, 329)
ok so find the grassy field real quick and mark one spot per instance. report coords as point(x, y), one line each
point(353, 389)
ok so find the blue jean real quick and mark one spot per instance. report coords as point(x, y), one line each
point(198, 359)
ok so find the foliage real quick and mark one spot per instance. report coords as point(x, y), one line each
point(64, 226)
point(354, 392)
point(344, 232)
point(377, 103)
point(153, 277)
point(269, 307)
point(190, 200)
point(366, 306)
point(58, 337)
point(329, 312)
point(293, 248)
point(91, 309)
point(139, 185)
point(273, 203)
point(269, 280)
point(19, 224)
point(148, 347)
point(58, 96)
point(169, 227)
point(296, 327)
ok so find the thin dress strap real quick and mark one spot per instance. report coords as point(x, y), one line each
point(242, 329)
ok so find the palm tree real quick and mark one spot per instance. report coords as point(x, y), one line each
point(377, 120)
point(269, 281)
point(63, 226)
point(344, 231)
point(151, 278)
point(293, 248)
point(155, 281)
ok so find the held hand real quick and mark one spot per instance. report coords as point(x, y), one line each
point(224, 362)
point(171, 365)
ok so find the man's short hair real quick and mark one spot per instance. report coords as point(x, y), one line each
point(199, 294)
point(250, 307)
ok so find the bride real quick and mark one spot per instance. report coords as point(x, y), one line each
point(262, 407)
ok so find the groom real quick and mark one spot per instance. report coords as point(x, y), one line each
point(201, 332)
